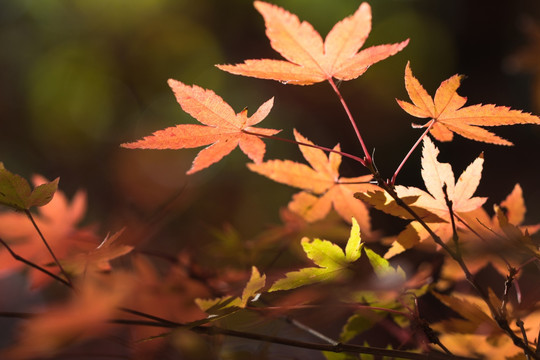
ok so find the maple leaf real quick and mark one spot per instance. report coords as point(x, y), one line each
point(310, 60)
point(220, 307)
point(57, 221)
point(321, 179)
point(15, 191)
point(438, 177)
point(493, 236)
point(332, 262)
point(449, 116)
point(505, 230)
point(98, 258)
point(223, 129)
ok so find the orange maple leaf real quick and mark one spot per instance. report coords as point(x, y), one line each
point(58, 222)
point(310, 60)
point(322, 185)
point(449, 116)
point(437, 177)
point(223, 129)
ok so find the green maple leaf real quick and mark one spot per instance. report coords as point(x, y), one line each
point(16, 193)
point(332, 262)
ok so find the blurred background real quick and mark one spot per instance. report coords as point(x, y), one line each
point(78, 78)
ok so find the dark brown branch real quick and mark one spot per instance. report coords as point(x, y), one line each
point(450, 206)
point(56, 261)
point(33, 265)
point(214, 330)
point(520, 324)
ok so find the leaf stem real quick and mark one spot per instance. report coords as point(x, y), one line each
point(367, 158)
point(350, 156)
point(501, 256)
point(56, 261)
point(393, 181)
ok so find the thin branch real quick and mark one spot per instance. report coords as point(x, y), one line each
point(501, 256)
point(520, 324)
point(214, 330)
point(33, 265)
point(310, 331)
point(56, 261)
point(507, 286)
point(393, 181)
point(450, 206)
point(350, 156)
point(350, 306)
point(537, 352)
point(151, 317)
point(367, 157)
point(338, 348)
point(70, 285)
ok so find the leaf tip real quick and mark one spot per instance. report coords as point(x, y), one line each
point(172, 82)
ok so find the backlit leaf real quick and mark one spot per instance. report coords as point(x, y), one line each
point(223, 130)
point(447, 110)
point(309, 59)
point(323, 187)
point(332, 262)
point(438, 178)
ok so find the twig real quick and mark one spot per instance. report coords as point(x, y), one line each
point(537, 352)
point(33, 265)
point(368, 160)
point(56, 261)
point(503, 258)
point(507, 286)
point(350, 156)
point(310, 331)
point(431, 123)
point(450, 206)
point(214, 330)
point(520, 324)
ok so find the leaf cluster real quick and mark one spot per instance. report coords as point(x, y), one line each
point(422, 288)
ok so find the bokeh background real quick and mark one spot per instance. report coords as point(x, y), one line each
point(78, 78)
